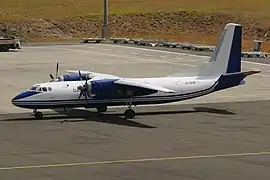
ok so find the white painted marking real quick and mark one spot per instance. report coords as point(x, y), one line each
point(261, 64)
point(120, 51)
point(119, 56)
point(106, 49)
point(155, 50)
point(149, 55)
point(186, 60)
point(178, 53)
point(184, 64)
point(134, 53)
point(137, 160)
point(263, 75)
point(181, 59)
point(191, 60)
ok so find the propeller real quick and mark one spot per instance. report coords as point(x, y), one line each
point(83, 88)
point(56, 73)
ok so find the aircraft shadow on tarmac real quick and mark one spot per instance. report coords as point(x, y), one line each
point(79, 115)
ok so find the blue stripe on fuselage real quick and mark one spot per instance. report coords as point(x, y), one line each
point(25, 94)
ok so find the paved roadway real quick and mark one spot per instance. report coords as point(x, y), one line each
point(207, 138)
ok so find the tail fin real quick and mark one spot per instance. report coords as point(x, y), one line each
point(225, 59)
point(227, 55)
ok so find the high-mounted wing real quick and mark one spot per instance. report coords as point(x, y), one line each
point(93, 75)
point(141, 84)
point(76, 71)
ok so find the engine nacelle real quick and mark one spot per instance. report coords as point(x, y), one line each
point(106, 89)
point(72, 77)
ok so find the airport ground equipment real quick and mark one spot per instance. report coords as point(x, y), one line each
point(9, 43)
point(93, 40)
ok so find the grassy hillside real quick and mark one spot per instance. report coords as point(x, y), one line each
point(55, 9)
point(178, 20)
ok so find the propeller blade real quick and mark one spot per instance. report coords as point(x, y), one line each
point(80, 76)
point(57, 68)
point(80, 94)
point(51, 76)
point(85, 95)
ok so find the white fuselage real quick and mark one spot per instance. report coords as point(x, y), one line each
point(65, 93)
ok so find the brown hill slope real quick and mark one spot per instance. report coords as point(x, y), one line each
point(192, 26)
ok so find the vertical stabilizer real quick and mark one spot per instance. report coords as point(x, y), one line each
point(227, 55)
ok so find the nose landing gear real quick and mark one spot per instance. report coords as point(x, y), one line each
point(101, 109)
point(129, 113)
point(38, 115)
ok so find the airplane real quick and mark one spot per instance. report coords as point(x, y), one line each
point(221, 72)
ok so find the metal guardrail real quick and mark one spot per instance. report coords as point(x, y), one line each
point(120, 40)
point(254, 54)
point(165, 43)
point(93, 40)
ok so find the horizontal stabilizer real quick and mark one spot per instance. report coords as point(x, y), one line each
point(244, 73)
point(247, 73)
point(233, 79)
point(135, 83)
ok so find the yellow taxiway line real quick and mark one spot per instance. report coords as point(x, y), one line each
point(133, 160)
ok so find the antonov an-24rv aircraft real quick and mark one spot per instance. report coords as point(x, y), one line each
point(96, 90)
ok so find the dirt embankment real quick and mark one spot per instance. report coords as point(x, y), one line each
point(176, 26)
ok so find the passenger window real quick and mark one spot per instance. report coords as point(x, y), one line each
point(39, 89)
point(44, 89)
point(49, 88)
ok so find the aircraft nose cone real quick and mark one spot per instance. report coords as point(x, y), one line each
point(15, 99)
point(20, 96)
point(24, 94)
point(19, 99)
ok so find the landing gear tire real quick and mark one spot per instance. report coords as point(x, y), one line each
point(38, 115)
point(129, 114)
point(102, 109)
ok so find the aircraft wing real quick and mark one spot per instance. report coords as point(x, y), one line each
point(93, 75)
point(141, 84)
point(77, 71)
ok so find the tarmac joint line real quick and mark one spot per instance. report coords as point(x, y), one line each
point(133, 160)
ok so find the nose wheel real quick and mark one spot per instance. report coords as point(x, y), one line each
point(101, 109)
point(129, 113)
point(38, 115)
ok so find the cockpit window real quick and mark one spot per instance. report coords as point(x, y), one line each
point(38, 88)
point(33, 88)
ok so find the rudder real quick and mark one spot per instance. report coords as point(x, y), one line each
point(234, 63)
point(227, 55)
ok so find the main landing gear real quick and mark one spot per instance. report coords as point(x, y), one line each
point(101, 109)
point(37, 114)
point(129, 113)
